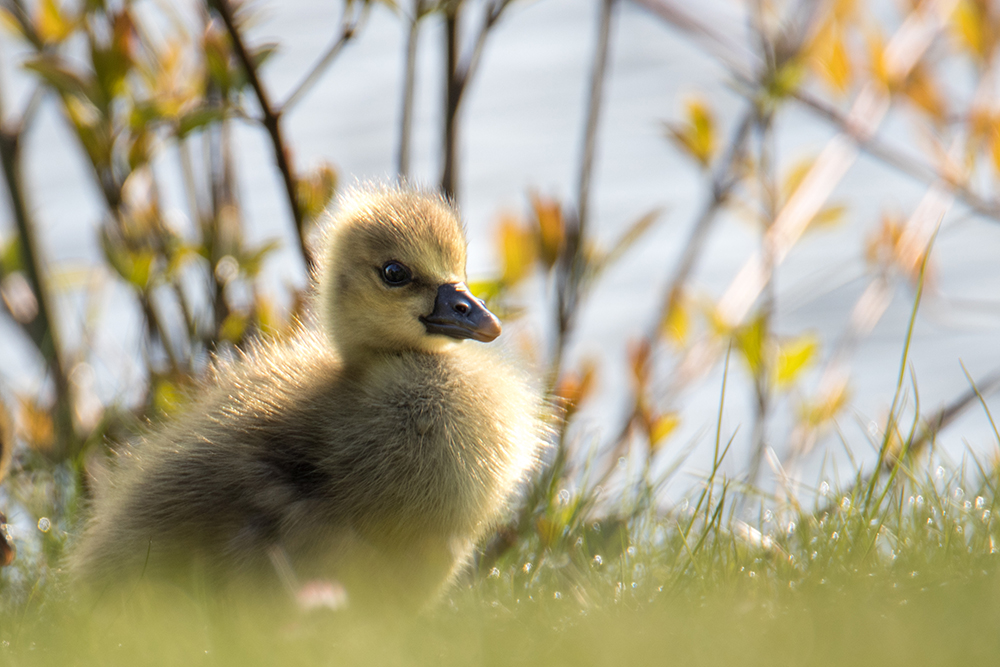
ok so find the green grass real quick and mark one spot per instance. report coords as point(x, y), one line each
point(910, 577)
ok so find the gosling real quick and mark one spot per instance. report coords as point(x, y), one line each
point(373, 449)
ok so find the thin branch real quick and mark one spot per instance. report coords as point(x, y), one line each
point(40, 329)
point(572, 268)
point(453, 96)
point(470, 63)
point(762, 380)
point(271, 122)
point(459, 72)
point(741, 62)
point(349, 29)
point(597, 77)
point(895, 158)
point(409, 88)
point(725, 178)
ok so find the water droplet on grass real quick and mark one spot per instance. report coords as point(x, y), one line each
point(495, 573)
point(598, 560)
point(980, 502)
point(44, 524)
point(557, 595)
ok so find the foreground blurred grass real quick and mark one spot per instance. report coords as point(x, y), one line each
point(908, 576)
point(818, 595)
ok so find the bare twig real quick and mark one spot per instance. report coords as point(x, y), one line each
point(349, 28)
point(726, 176)
point(763, 377)
point(409, 87)
point(597, 77)
point(572, 269)
point(271, 122)
point(459, 71)
point(40, 329)
point(898, 160)
point(453, 95)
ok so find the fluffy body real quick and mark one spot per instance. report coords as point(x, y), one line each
point(363, 450)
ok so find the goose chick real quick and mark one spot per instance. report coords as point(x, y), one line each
point(374, 449)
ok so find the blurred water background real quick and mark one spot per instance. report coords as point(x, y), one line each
point(522, 127)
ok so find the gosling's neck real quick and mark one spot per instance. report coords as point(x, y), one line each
point(361, 361)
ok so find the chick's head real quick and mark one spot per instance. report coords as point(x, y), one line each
point(392, 276)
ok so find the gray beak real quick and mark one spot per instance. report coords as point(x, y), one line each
point(460, 315)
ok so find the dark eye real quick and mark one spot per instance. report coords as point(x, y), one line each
point(395, 274)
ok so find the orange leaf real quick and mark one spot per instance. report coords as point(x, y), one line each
point(794, 356)
point(830, 59)
point(697, 136)
point(52, 24)
point(921, 88)
point(551, 228)
point(677, 324)
point(751, 340)
point(519, 250)
point(638, 355)
point(573, 388)
point(826, 406)
point(36, 425)
point(995, 144)
point(661, 427)
point(969, 23)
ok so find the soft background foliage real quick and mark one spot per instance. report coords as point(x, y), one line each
point(740, 450)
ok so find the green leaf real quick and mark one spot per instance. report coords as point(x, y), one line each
point(519, 248)
point(696, 137)
point(751, 340)
point(487, 290)
point(59, 76)
point(635, 232)
point(135, 266)
point(315, 190)
point(233, 327)
point(252, 262)
point(262, 54)
point(794, 356)
point(51, 24)
point(198, 118)
point(10, 256)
